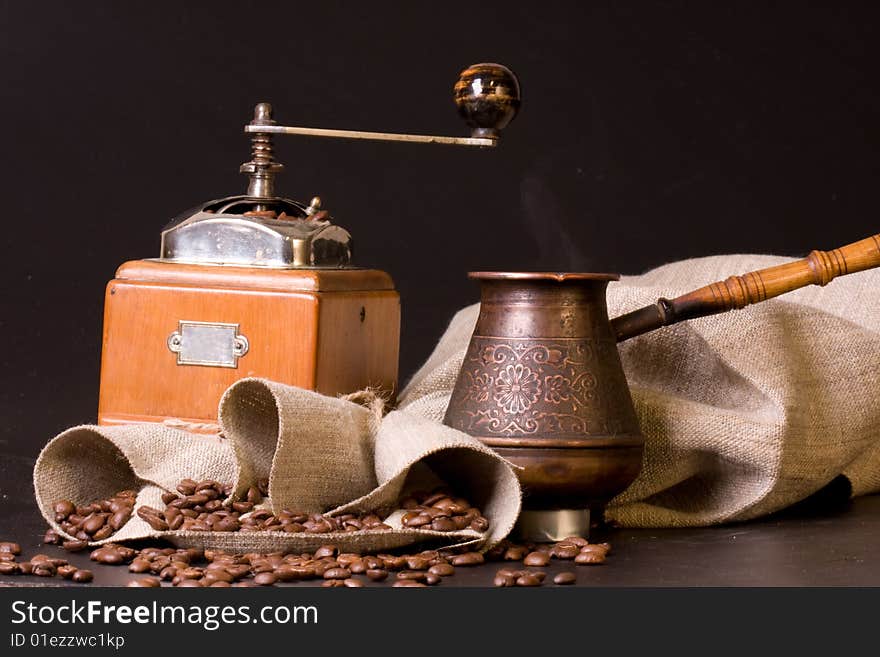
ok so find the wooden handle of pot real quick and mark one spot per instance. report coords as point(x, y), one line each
point(818, 268)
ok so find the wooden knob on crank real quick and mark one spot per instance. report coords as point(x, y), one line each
point(487, 97)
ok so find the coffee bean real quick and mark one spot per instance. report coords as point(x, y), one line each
point(332, 583)
point(75, 546)
point(536, 559)
point(326, 551)
point(414, 519)
point(590, 557)
point(139, 565)
point(417, 563)
point(105, 532)
point(443, 525)
point(265, 579)
point(118, 519)
point(528, 579)
point(377, 574)
point(353, 583)
point(66, 571)
point(10, 548)
point(145, 582)
point(63, 508)
point(186, 487)
point(82, 576)
point(188, 584)
point(576, 540)
point(417, 575)
point(442, 570)
point(565, 578)
point(9, 568)
point(43, 569)
point(408, 583)
point(337, 573)
point(51, 537)
point(467, 559)
point(565, 550)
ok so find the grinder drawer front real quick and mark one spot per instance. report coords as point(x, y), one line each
point(171, 351)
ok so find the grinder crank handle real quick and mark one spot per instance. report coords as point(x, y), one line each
point(818, 268)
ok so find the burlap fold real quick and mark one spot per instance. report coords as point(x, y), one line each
point(320, 454)
point(744, 413)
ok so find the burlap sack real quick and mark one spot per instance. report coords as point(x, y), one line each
point(319, 453)
point(744, 413)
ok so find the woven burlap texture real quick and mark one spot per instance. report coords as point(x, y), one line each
point(319, 454)
point(743, 413)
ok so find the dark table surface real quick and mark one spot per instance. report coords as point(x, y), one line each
point(825, 541)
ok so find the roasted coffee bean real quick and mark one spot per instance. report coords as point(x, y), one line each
point(415, 519)
point(565, 578)
point(504, 580)
point(82, 576)
point(467, 559)
point(189, 584)
point(528, 579)
point(43, 569)
point(186, 487)
point(168, 497)
point(408, 583)
point(145, 582)
point(580, 541)
point(417, 575)
point(432, 580)
point(591, 557)
point(66, 571)
point(337, 573)
point(536, 559)
point(443, 525)
point(442, 570)
point(51, 537)
point(417, 563)
point(243, 507)
point(139, 565)
point(105, 532)
point(10, 548)
point(353, 583)
point(7, 556)
point(377, 574)
point(119, 518)
point(253, 495)
point(515, 553)
point(75, 546)
point(63, 508)
point(333, 583)
point(326, 551)
point(565, 550)
point(9, 568)
point(265, 579)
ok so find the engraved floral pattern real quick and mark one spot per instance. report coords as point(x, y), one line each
point(527, 387)
point(516, 388)
point(480, 387)
point(557, 389)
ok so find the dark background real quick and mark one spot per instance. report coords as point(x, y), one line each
point(650, 131)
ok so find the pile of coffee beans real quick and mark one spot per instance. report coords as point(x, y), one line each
point(200, 506)
point(572, 548)
point(91, 522)
point(440, 511)
point(40, 565)
point(217, 568)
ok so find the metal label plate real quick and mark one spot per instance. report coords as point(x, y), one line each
point(209, 344)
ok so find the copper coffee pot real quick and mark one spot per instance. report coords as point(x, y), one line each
point(542, 381)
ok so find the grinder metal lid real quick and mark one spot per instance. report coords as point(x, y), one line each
point(258, 228)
